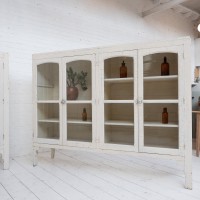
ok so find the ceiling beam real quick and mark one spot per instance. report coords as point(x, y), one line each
point(162, 7)
point(156, 1)
point(181, 8)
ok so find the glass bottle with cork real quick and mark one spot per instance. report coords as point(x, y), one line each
point(84, 115)
point(165, 116)
point(165, 67)
point(123, 70)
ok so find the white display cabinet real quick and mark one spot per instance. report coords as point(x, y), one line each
point(123, 114)
point(4, 110)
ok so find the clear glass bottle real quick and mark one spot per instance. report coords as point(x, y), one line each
point(165, 116)
point(84, 115)
point(123, 70)
point(165, 67)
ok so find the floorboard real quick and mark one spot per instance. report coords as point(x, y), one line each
point(159, 182)
point(83, 175)
point(4, 194)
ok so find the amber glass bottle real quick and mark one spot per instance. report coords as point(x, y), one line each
point(165, 116)
point(199, 101)
point(165, 68)
point(123, 70)
point(84, 115)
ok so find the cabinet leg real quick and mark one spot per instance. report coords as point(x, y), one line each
point(197, 134)
point(188, 161)
point(188, 181)
point(35, 156)
point(6, 162)
point(188, 169)
point(52, 153)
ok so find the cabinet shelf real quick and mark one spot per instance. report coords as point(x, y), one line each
point(46, 86)
point(79, 101)
point(161, 78)
point(48, 101)
point(118, 101)
point(119, 80)
point(121, 143)
point(161, 101)
point(78, 121)
point(159, 124)
point(119, 123)
point(164, 145)
point(78, 140)
point(54, 120)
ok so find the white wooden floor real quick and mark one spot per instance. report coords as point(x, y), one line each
point(85, 175)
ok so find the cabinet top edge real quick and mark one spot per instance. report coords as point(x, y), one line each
point(4, 55)
point(117, 47)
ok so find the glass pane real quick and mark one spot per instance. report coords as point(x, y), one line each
point(79, 132)
point(152, 64)
point(119, 123)
point(153, 113)
point(159, 84)
point(75, 112)
point(48, 120)
point(116, 88)
point(161, 89)
point(79, 80)
point(48, 130)
point(112, 67)
point(118, 91)
point(119, 135)
point(161, 137)
point(48, 81)
point(119, 111)
point(48, 111)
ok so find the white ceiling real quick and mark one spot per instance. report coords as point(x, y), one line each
point(189, 9)
point(193, 4)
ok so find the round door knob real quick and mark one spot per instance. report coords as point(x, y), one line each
point(63, 101)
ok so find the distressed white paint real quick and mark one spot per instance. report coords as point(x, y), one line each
point(123, 138)
point(34, 26)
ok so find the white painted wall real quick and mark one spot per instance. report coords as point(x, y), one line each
point(33, 26)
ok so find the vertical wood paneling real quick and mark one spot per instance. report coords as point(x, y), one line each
point(34, 26)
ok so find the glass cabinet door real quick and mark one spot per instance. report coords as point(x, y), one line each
point(118, 100)
point(48, 102)
point(79, 89)
point(160, 94)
